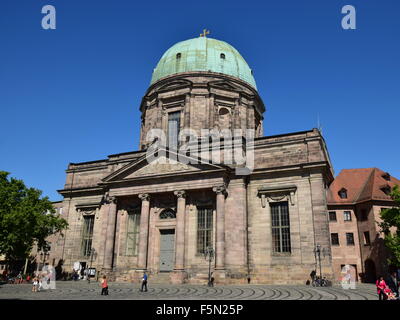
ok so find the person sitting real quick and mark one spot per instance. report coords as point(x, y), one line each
point(393, 283)
point(389, 294)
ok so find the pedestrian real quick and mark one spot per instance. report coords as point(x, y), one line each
point(381, 286)
point(104, 286)
point(19, 277)
point(5, 275)
point(211, 280)
point(393, 283)
point(35, 284)
point(312, 275)
point(144, 282)
point(40, 284)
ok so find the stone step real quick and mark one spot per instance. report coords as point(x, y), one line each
point(160, 278)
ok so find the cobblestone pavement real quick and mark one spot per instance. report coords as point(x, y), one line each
point(70, 290)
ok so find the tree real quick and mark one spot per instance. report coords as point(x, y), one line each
point(391, 219)
point(26, 218)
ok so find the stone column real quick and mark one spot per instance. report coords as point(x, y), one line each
point(220, 228)
point(144, 232)
point(110, 233)
point(180, 230)
point(211, 115)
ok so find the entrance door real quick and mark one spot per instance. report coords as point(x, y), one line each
point(167, 250)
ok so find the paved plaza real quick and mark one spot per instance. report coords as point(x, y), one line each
point(70, 290)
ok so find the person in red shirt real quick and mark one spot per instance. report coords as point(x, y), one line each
point(380, 287)
point(104, 286)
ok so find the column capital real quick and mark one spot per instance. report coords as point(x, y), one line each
point(180, 194)
point(110, 199)
point(220, 189)
point(144, 196)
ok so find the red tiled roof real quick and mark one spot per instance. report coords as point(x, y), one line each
point(361, 185)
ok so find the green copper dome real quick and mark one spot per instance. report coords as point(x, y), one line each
point(203, 54)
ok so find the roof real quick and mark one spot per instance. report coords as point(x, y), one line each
point(361, 185)
point(203, 54)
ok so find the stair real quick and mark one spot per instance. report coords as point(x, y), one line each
point(160, 278)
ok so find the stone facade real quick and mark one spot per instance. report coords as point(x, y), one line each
point(292, 168)
point(290, 171)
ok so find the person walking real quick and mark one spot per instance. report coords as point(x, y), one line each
point(144, 282)
point(40, 284)
point(104, 286)
point(381, 286)
point(312, 276)
point(211, 281)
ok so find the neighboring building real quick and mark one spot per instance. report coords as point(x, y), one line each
point(161, 217)
point(355, 200)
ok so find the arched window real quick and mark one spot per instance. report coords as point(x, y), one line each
point(168, 214)
point(178, 55)
point(222, 56)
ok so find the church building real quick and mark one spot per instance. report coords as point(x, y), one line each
point(170, 216)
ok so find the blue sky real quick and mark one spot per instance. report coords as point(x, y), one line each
point(73, 94)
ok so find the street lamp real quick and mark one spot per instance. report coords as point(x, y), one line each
point(43, 255)
point(317, 252)
point(93, 253)
point(209, 255)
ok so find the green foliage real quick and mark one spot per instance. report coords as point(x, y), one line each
point(25, 218)
point(391, 218)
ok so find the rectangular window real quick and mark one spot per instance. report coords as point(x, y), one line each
point(332, 215)
point(87, 235)
point(335, 239)
point(350, 239)
point(132, 232)
point(174, 120)
point(280, 227)
point(347, 215)
point(367, 239)
point(204, 229)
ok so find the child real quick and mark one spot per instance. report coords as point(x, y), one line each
point(34, 284)
point(389, 293)
point(104, 286)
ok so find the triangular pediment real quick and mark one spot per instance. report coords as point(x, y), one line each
point(168, 164)
point(162, 165)
point(227, 85)
point(175, 85)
